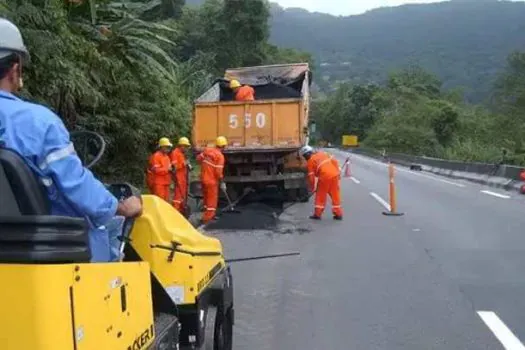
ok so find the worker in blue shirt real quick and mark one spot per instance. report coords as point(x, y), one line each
point(40, 137)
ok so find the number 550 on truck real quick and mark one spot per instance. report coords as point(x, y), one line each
point(264, 135)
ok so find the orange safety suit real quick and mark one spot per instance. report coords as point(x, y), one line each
point(158, 176)
point(212, 172)
point(178, 161)
point(326, 169)
point(245, 93)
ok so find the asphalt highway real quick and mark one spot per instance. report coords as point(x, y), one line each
point(448, 274)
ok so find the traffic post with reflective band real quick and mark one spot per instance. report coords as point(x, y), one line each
point(348, 171)
point(392, 193)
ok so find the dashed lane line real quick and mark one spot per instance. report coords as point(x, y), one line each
point(495, 194)
point(501, 331)
point(407, 171)
point(380, 200)
point(355, 180)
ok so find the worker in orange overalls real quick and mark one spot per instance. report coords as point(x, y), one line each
point(326, 169)
point(212, 174)
point(158, 175)
point(242, 92)
point(181, 167)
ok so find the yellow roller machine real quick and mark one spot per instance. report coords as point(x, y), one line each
point(173, 289)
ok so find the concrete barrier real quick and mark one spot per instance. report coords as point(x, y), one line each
point(495, 175)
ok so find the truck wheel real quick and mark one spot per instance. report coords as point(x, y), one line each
point(303, 194)
point(218, 330)
point(292, 195)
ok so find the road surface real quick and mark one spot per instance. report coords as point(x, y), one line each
point(449, 274)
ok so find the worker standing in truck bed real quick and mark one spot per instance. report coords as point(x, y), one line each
point(242, 92)
point(212, 173)
point(326, 169)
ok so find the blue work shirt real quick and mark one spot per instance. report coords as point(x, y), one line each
point(40, 137)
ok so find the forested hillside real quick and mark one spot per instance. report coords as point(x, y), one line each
point(131, 69)
point(464, 42)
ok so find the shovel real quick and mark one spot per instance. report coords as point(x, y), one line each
point(230, 208)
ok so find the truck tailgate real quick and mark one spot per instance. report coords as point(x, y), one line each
point(267, 124)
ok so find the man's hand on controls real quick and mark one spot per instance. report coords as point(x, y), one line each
point(223, 186)
point(130, 207)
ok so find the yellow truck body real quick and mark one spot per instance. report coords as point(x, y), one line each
point(264, 135)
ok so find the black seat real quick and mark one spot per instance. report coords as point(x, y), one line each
point(28, 233)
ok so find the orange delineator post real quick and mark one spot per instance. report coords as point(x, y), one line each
point(348, 172)
point(392, 192)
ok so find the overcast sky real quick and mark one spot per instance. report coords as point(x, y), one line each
point(346, 7)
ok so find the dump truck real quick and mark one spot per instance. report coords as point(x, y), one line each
point(264, 135)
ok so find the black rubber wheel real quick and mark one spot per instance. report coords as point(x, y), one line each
point(228, 331)
point(166, 332)
point(209, 328)
point(218, 332)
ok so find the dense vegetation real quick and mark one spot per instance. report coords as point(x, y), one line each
point(130, 69)
point(464, 43)
point(411, 113)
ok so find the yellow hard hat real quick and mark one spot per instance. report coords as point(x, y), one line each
point(221, 141)
point(234, 84)
point(183, 141)
point(165, 142)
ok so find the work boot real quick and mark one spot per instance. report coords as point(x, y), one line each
point(338, 217)
point(315, 217)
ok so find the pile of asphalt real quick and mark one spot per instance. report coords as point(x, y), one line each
point(253, 215)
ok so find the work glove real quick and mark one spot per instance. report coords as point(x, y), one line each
point(188, 166)
point(223, 186)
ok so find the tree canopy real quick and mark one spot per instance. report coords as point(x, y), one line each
point(411, 113)
point(131, 69)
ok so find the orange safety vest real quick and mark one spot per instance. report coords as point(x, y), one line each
point(212, 165)
point(323, 166)
point(158, 169)
point(245, 93)
point(178, 161)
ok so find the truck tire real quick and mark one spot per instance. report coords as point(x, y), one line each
point(303, 194)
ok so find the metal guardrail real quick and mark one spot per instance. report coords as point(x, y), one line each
point(511, 172)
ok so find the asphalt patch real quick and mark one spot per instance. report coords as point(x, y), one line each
point(254, 216)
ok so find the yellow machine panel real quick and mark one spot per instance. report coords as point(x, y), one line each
point(183, 259)
point(76, 306)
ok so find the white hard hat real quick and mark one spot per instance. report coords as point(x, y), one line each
point(11, 40)
point(305, 150)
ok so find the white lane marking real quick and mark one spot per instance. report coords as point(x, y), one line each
point(355, 180)
point(499, 195)
point(380, 200)
point(399, 168)
point(501, 331)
